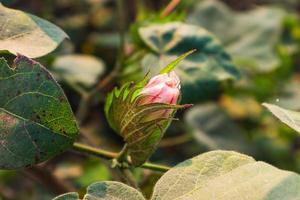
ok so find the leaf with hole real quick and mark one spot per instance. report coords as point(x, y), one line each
point(36, 120)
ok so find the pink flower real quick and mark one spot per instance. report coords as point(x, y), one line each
point(163, 88)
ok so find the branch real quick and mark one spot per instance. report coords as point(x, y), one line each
point(112, 155)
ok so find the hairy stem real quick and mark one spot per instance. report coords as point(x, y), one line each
point(112, 155)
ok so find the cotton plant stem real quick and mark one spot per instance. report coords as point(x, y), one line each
point(112, 155)
point(129, 177)
point(87, 99)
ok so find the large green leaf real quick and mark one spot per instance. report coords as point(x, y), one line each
point(289, 117)
point(27, 34)
point(224, 175)
point(36, 120)
point(250, 37)
point(202, 72)
point(79, 71)
point(212, 127)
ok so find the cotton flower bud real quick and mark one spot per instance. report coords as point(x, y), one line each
point(141, 112)
point(162, 88)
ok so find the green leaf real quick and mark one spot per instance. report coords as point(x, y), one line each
point(226, 175)
point(79, 71)
point(201, 73)
point(27, 34)
point(110, 190)
point(36, 120)
point(289, 117)
point(212, 127)
point(68, 196)
point(106, 190)
point(134, 123)
point(249, 36)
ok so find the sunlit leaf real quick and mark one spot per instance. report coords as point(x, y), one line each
point(289, 117)
point(27, 34)
point(36, 120)
point(226, 175)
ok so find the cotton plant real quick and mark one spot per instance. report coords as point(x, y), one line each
point(37, 122)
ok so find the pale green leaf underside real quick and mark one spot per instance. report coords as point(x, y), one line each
point(289, 117)
point(226, 175)
point(79, 71)
point(106, 190)
point(36, 120)
point(249, 36)
point(200, 73)
point(27, 34)
point(216, 175)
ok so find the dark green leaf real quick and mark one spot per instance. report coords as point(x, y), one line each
point(202, 72)
point(36, 121)
point(27, 34)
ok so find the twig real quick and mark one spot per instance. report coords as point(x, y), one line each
point(112, 155)
point(170, 7)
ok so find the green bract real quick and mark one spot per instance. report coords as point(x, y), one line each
point(131, 120)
